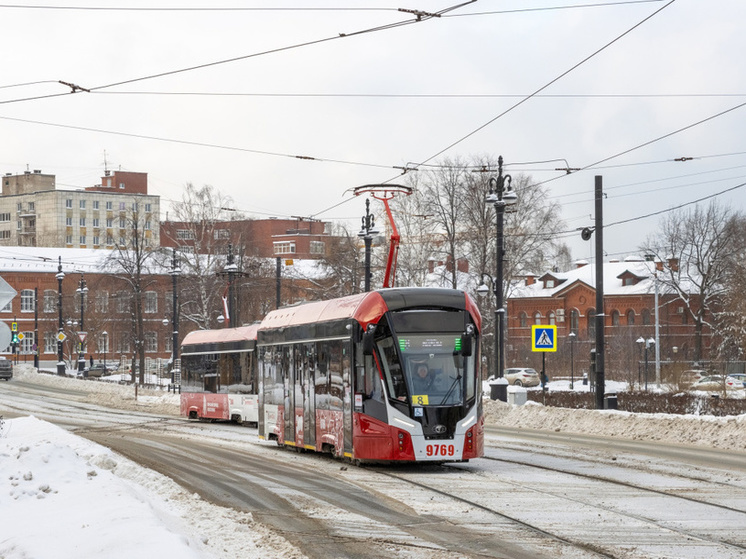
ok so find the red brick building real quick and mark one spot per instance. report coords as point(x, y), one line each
point(568, 300)
point(289, 238)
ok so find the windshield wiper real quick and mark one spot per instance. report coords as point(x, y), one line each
point(448, 394)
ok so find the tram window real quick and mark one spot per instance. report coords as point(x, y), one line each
point(393, 370)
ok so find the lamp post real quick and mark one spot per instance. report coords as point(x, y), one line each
point(82, 291)
point(640, 342)
point(105, 336)
point(572, 337)
point(647, 343)
point(60, 335)
point(500, 195)
point(175, 364)
point(483, 290)
point(367, 231)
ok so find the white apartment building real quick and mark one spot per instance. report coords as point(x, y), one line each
point(34, 213)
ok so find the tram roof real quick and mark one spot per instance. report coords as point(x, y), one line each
point(221, 335)
point(364, 307)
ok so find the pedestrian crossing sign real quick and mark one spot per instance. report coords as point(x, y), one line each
point(543, 338)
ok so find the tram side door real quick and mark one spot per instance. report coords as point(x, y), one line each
point(288, 370)
point(309, 394)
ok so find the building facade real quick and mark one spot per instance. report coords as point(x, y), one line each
point(34, 213)
point(568, 300)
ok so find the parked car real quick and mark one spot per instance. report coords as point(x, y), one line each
point(740, 377)
point(691, 376)
point(97, 370)
point(6, 369)
point(717, 382)
point(522, 376)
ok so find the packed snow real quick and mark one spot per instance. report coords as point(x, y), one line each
point(92, 502)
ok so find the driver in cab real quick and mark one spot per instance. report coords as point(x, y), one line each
point(422, 380)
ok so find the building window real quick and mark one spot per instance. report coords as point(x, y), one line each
point(123, 345)
point(82, 222)
point(615, 318)
point(68, 239)
point(284, 247)
point(32, 206)
point(5, 234)
point(151, 342)
point(121, 185)
point(123, 302)
point(151, 302)
point(5, 217)
point(82, 204)
point(69, 203)
point(221, 234)
point(169, 344)
point(96, 241)
point(147, 207)
point(27, 343)
point(69, 221)
point(184, 235)
point(318, 247)
point(50, 301)
point(27, 300)
point(95, 204)
point(82, 239)
point(122, 206)
point(109, 205)
point(135, 206)
point(8, 307)
point(631, 318)
point(19, 207)
point(109, 222)
point(591, 314)
point(550, 316)
point(523, 320)
point(19, 225)
point(537, 318)
point(574, 321)
point(102, 302)
point(147, 225)
point(122, 223)
point(50, 342)
point(645, 317)
point(96, 222)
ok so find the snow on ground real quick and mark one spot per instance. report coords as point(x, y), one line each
point(93, 502)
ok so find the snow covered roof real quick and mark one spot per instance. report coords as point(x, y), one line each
point(633, 276)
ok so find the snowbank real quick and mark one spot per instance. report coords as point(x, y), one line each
point(62, 497)
point(728, 433)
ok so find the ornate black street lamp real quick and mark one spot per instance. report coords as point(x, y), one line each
point(60, 334)
point(501, 194)
point(82, 291)
point(366, 233)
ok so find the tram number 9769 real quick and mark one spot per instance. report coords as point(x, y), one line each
point(440, 450)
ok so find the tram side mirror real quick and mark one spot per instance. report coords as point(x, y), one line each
point(368, 342)
point(466, 343)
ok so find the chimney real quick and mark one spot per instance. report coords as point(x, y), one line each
point(530, 279)
point(673, 264)
point(580, 263)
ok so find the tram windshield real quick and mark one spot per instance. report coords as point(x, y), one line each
point(432, 371)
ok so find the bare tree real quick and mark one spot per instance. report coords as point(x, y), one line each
point(731, 314)
point(203, 252)
point(698, 248)
point(133, 262)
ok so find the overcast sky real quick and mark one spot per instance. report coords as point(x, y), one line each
point(302, 83)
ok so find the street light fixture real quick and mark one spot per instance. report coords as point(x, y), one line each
point(572, 337)
point(647, 343)
point(367, 231)
point(501, 194)
point(105, 336)
point(82, 291)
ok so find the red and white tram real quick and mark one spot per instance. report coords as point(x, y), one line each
point(219, 374)
point(388, 375)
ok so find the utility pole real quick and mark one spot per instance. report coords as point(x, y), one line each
point(600, 314)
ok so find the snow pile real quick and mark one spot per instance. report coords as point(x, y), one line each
point(62, 496)
point(728, 433)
